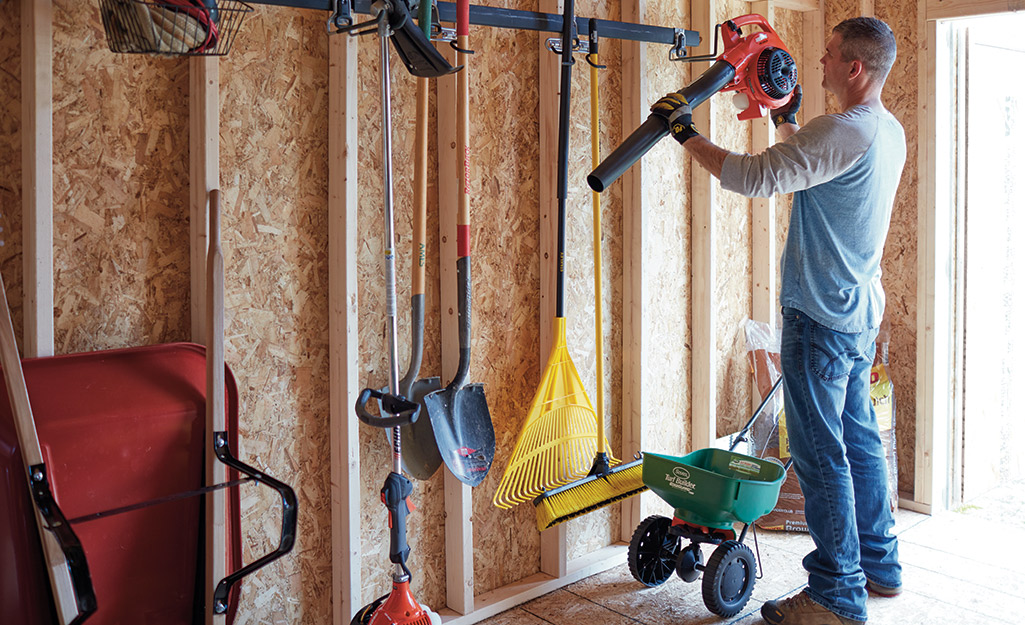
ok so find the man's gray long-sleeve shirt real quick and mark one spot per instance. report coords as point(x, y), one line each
point(843, 170)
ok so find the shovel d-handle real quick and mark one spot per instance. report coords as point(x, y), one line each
point(289, 517)
point(71, 547)
point(395, 495)
point(655, 128)
point(402, 410)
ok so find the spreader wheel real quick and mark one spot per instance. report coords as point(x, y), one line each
point(653, 551)
point(689, 563)
point(729, 578)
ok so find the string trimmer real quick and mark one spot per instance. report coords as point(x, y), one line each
point(398, 607)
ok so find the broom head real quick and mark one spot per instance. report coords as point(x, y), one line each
point(560, 436)
point(588, 494)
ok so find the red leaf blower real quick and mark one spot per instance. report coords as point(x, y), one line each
point(757, 66)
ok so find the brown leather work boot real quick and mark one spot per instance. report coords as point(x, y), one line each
point(801, 610)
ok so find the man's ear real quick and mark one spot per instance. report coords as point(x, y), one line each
point(857, 68)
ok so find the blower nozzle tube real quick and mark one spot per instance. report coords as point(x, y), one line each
point(717, 76)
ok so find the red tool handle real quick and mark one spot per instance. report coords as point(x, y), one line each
point(463, 129)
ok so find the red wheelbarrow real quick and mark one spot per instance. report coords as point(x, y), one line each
point(122, 433)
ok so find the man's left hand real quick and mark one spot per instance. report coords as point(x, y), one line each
point(675, 109)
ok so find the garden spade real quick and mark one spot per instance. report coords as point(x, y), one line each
point(421, 457)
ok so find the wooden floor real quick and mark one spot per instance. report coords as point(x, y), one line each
point(964, 567)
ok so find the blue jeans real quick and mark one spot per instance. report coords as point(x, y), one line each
point(839, 461)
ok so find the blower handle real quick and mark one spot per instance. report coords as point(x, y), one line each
point(718, 75)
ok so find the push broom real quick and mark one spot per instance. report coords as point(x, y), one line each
point(557, 442)
point(606, 483)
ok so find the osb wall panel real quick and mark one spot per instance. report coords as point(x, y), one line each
point(900, 258)
point(600, 528)
point(666, 260)
point(120, 190)
point(273, 132)
point(733, 265)
point(426, 524)
point(505, 192)
point(10, 159)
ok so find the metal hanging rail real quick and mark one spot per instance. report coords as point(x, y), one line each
point(679, 38)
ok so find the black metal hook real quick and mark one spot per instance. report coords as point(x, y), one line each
point(362, 28)
point(462, 50)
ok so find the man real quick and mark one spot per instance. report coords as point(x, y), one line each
point(843, 170)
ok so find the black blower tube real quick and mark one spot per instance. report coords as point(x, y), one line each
point(718, 75)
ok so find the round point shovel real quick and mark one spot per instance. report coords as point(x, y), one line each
point(459, 412)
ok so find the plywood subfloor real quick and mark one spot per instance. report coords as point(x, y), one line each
point(947, 578)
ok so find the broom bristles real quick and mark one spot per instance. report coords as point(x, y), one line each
point(589, 494)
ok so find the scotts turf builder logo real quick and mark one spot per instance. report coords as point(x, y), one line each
point(680, 480)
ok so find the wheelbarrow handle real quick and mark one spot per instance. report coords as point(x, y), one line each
point(289, 521)
point(404, 411)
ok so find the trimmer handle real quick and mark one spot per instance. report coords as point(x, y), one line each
point(395, 495)
point(402, 410)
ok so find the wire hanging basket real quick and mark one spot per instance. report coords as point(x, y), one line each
point(172, 27)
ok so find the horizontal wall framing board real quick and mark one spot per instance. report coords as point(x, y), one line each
point(511, 595)
point(945, 9)
point(798, 5)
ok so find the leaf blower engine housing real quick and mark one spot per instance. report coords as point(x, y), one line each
point(766, 74)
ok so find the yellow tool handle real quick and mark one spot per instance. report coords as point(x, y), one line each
point(596, 208)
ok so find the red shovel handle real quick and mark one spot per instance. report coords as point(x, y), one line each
point(463, 130)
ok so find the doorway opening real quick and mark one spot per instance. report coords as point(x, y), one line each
point(988, 188)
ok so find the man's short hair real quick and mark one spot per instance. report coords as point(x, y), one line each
point(870, 41)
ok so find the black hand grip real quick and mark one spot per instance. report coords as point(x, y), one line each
point(404, 411)
point(396, 489)
point(289, 521)
point(655, 127)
